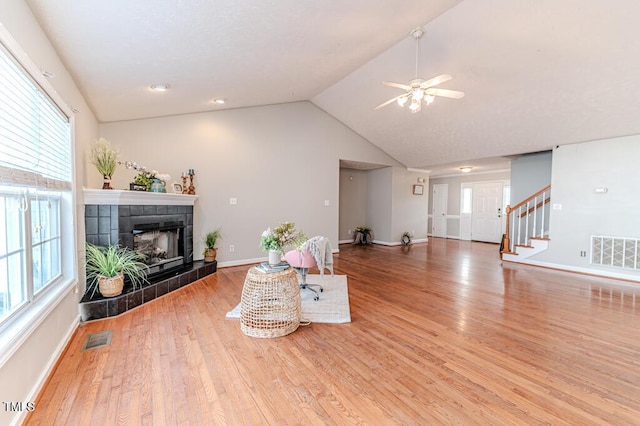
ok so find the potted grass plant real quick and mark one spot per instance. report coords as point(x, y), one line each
point(210, 241)
point(107, 267)
point(105, 158)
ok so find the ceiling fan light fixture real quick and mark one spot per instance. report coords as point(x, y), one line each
point(418, 89)
point(466, 169)
point(415, 106)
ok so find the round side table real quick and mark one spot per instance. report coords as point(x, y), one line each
point(270, 304)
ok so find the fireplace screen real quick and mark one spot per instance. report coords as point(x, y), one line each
point(159, 245)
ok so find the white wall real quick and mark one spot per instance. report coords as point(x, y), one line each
point(353, 201)
point(281, 162)
point(577, 170)
point(409, 211)
point(379, 199)
point(529, 174)
point(383, 200)
point(26, 368)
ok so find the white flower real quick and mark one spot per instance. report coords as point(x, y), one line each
point(163, 176)
point(267, 232)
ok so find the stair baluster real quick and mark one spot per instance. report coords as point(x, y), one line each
point(514, 221)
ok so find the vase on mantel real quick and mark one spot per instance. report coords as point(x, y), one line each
point(274, 257)
point(106, 182)
point(157, 185)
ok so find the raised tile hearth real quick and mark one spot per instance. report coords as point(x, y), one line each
point(101, 307)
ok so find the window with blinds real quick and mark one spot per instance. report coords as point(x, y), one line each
point(36, 173)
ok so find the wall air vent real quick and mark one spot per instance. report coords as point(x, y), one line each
point(618, 252)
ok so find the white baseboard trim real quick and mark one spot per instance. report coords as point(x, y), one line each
point(386, 243)
point(398, 243)
point(579, 270)
point(37, 387)
point(345, 241)
point(453, 237)
point(241, 262)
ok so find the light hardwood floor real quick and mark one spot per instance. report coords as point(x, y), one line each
point(441, 333)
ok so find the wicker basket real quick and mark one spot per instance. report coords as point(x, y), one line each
point(270, 304)
point(111, 286)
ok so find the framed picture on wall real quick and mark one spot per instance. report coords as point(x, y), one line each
point(418, 189)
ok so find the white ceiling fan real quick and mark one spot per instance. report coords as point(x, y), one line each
point(418, 89)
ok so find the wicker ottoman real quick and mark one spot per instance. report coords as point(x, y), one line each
point(270, 304)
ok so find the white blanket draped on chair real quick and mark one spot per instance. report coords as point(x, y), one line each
point(320, 249)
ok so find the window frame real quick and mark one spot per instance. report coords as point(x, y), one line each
point(21, 323)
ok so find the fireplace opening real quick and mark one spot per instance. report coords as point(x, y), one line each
point(160, 245)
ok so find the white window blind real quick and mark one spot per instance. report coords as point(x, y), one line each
point(37, 246)
point(35, 142)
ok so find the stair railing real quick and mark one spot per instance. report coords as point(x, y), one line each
point(526, 220)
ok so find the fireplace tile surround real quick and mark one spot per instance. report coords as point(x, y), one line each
point(110, 217)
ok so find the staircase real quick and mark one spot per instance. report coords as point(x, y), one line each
point(527, 227)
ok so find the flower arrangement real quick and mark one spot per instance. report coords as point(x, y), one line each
point(281, 236)
point(144, 176)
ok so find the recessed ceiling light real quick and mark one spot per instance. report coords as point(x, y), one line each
point(160, 87)
point(466, 169)
point(219, 101)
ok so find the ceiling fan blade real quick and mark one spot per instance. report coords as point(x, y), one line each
point(453, 94)
point(435, 81)
point(391, 101)
point(398, 85)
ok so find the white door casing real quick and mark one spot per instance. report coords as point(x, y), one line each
point(439, 214)
point(486, 217)
point(466, 209)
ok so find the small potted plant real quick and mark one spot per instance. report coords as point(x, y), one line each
point(363, 235)
point(107, 266)
point(210, 251)
point(105, 158)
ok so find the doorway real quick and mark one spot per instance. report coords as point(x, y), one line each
point(486, 216)
point(439, 214)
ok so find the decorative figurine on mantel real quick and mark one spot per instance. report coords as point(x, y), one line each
point(184, 183)
point(192, 189)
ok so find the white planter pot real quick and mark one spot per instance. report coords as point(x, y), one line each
point(274, 257)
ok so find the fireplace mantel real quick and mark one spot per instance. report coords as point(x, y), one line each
point(116, 197)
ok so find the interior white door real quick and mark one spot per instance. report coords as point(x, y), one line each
point(439, 214)
point(486, 216)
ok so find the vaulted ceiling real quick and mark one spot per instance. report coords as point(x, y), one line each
point(536, 73)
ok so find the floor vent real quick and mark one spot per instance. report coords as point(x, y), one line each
point(97, 340)
point(619, 252)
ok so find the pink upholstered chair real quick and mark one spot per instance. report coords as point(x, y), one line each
point(301, 261)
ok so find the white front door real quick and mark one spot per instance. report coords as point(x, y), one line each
point(439, 216)
point(486, 219)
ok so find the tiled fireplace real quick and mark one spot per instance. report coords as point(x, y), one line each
point(158, 225)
